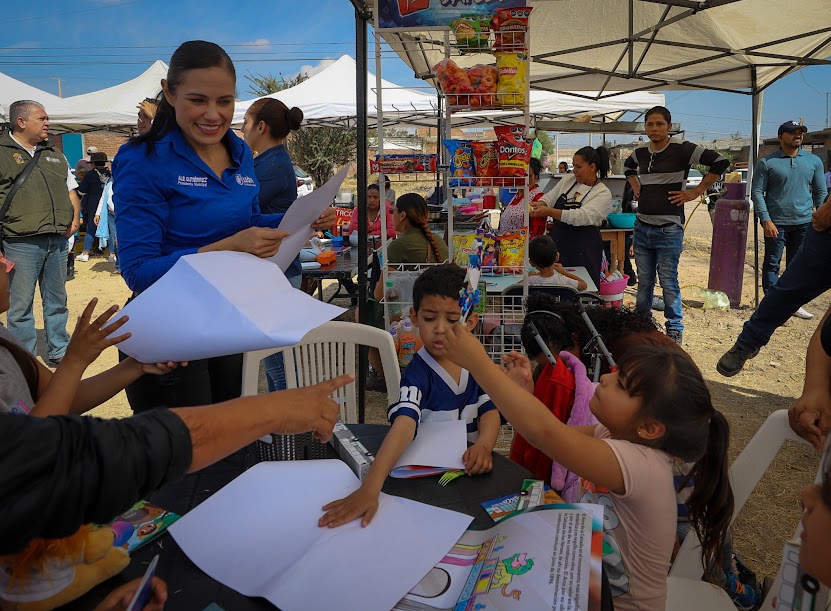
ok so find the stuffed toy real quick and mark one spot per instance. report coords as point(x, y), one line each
point(52, 572)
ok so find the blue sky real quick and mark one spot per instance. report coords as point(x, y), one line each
point(78, 42)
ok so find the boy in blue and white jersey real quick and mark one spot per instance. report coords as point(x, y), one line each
point(432, 390)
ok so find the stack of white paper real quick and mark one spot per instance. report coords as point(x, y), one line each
point(438, 447)
point(218, 303)
point(259, 536)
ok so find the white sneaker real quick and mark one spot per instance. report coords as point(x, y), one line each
point(111, 259)
point(803, 314)
point(82, 257)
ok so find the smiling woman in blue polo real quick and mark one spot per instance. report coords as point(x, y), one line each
point(187, 186)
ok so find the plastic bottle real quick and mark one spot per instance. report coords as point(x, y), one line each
point(392, 299)
point(394, 334)
point(409, 344)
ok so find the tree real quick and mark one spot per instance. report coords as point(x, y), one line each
point(318, 150)
point(547, 144)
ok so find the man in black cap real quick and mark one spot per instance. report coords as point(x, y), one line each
point(787, 186)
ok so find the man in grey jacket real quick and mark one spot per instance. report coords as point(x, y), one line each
point(43, 213)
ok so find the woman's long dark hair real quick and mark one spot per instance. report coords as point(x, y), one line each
point(277, 116)
point(673, 392)
point(598, 156)
point(415, 207)
point(26, 362)
point(191, 55)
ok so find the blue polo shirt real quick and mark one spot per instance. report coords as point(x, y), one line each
point(787, 189)
point(169, 203)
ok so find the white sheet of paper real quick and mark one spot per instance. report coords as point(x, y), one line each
point(218, 303)
point(300, 216)
point(259, 536)
point(437, 444)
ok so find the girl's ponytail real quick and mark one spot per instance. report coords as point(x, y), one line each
point(711, 502)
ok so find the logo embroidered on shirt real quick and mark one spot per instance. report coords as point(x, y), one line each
point(193, 181)
point(52, 159)
point(18, 158)
point(245, 181)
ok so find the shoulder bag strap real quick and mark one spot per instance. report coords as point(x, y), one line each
point(19, 183)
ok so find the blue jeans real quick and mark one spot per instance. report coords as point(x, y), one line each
point(275, 371)
point(89, 238)
point(40, 259)
point(805, 278)
point(659, 249)
point(112, 241)
point(790, 239)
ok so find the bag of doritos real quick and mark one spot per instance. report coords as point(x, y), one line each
point(461, 162)
point(514, 154)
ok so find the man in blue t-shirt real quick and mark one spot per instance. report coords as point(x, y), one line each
point(787, 185)
point(433, 389)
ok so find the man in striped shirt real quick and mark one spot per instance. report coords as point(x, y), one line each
point(657, 173)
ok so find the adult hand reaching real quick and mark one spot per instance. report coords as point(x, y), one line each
point(261, 242)
point(821, 218)
point(310, 408)
point(325, 221)
point(810, 417)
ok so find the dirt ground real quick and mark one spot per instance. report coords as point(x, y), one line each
point(769, 382)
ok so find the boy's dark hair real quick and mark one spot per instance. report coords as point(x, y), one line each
point(442, 280)
point(542, 251)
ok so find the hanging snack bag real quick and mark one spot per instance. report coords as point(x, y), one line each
point(462, 165)
point(487, 161)
point(454, 82)
point(484, 80)
point(510, 248)
point(514, 154)
point(464, 245)
point(489, 247)
point(510, 27)
point(513, 78)
point(472, 32)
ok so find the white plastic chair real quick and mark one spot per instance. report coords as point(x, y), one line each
point(685, 590)
point(324, 353)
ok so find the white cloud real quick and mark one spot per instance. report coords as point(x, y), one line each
point(310, 70)
point(262, 43)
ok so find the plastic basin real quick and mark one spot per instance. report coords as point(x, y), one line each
point(622, 220)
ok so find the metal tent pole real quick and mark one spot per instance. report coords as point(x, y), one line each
point(755, 135)
point(360, 111)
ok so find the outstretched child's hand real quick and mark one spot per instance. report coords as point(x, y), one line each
point(517, 367)
point(90, 338)
point(462, 347)
point(478, 459)
point(362, 504)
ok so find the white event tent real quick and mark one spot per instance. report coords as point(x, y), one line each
point(12, 90)
point(113, 108)
point(329, 98)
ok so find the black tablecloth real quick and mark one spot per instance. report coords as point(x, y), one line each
point(189, 589)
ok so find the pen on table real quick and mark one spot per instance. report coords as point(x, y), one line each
point(542, 344)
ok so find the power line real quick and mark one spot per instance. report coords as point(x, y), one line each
point(85, 10)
